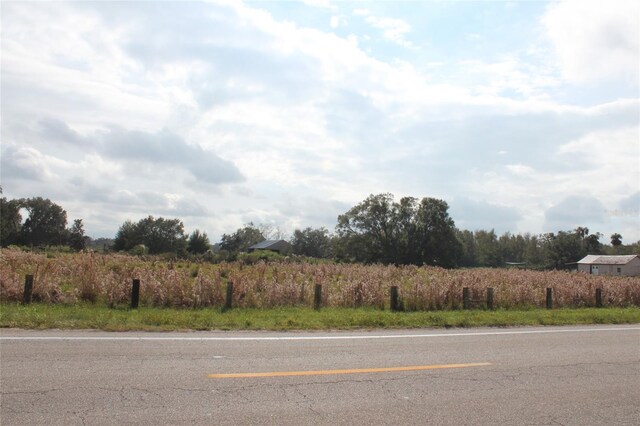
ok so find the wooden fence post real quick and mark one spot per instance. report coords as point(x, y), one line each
point(135, 293)
point(357, 296)
point(228, 302)
point(317, 297)
point(28, 289)
point(490, 298)
point(394, 298)
point(549, 298)
point(598, 298)
point(466, 298)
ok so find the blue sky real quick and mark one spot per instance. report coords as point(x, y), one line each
point(523, 116)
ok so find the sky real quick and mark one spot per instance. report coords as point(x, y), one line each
point(522, 116)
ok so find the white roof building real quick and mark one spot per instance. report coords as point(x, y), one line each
point(610, 265)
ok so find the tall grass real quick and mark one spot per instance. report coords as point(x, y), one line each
point(106, 279)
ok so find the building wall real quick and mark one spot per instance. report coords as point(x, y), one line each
point(583, 267)
point(630, 269)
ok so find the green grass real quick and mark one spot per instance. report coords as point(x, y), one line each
point(87, 316)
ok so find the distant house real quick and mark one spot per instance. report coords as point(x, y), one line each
point(279, 246)
point(610, 265)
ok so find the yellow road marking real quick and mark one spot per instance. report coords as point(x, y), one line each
point(349, 371)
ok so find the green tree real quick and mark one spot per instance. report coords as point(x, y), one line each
point(127, 237)
point(367, 230)
point(563, 249)
point(533, 255)
point(616, 240)
point(198, 242)
point(77, 239)
point(242, 239)
point(488, 249)
point(409, 232)
point(157, 235)
point(512, 248)
point(46, 223)
point(469, 247)
point(312, 242)
point(10, 221)
point(592, 244)
point(406, 245)
point(435, 231)
point(582, 231)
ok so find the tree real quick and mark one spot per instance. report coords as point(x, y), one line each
point(271, 232)
point(127, 237)
point(435, 230)
point(408, 232)
point(198, 242)
point(77, 240)
point(469, 247)
point(533, 255)
point(582, 231)
point(366, 230)
point(157, 235)
point(616, 240)
point(488, 249)
point(10, 221)
point(242, 239)
point(46, 224)
point(592, 244)
point(562, 249)
point(312, 242)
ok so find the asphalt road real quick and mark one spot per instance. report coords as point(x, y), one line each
point(536, 376)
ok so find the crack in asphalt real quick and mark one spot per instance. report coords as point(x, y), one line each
point(306, 400)
point(36, 392)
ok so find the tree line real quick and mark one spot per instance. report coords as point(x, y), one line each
point(379, 229)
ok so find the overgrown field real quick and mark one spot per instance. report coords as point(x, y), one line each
point(106, 280)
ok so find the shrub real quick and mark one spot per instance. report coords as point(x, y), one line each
point(258, 255)
point(139, 250)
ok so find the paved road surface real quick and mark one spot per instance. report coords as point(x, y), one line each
point(536, 376)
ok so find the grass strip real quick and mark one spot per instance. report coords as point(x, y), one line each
point(86, 316)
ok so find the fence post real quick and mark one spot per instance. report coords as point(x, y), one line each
point(549, 298)
point(135, 293)
point(466, 296)
point(357, 296)
point(394, 298)
point(598, 298)
point(28, 289)
point(228, 302)
point(490, 298)
point(317, 297)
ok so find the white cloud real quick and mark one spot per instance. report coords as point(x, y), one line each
point(509, 75)
point(162, 105)
point(474, 215)
point(393, 29)
point(611, 162)
point(26, 163)
point(574, 211)
point(520, 170)
point(595, 40)
point(337, 21)
point(323, 4)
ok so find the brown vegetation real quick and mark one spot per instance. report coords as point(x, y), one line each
point(107, 279)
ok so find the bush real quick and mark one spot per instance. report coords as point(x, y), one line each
point(139, 250)
point(258, 255)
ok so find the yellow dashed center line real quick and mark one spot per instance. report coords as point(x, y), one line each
point(348, 371)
